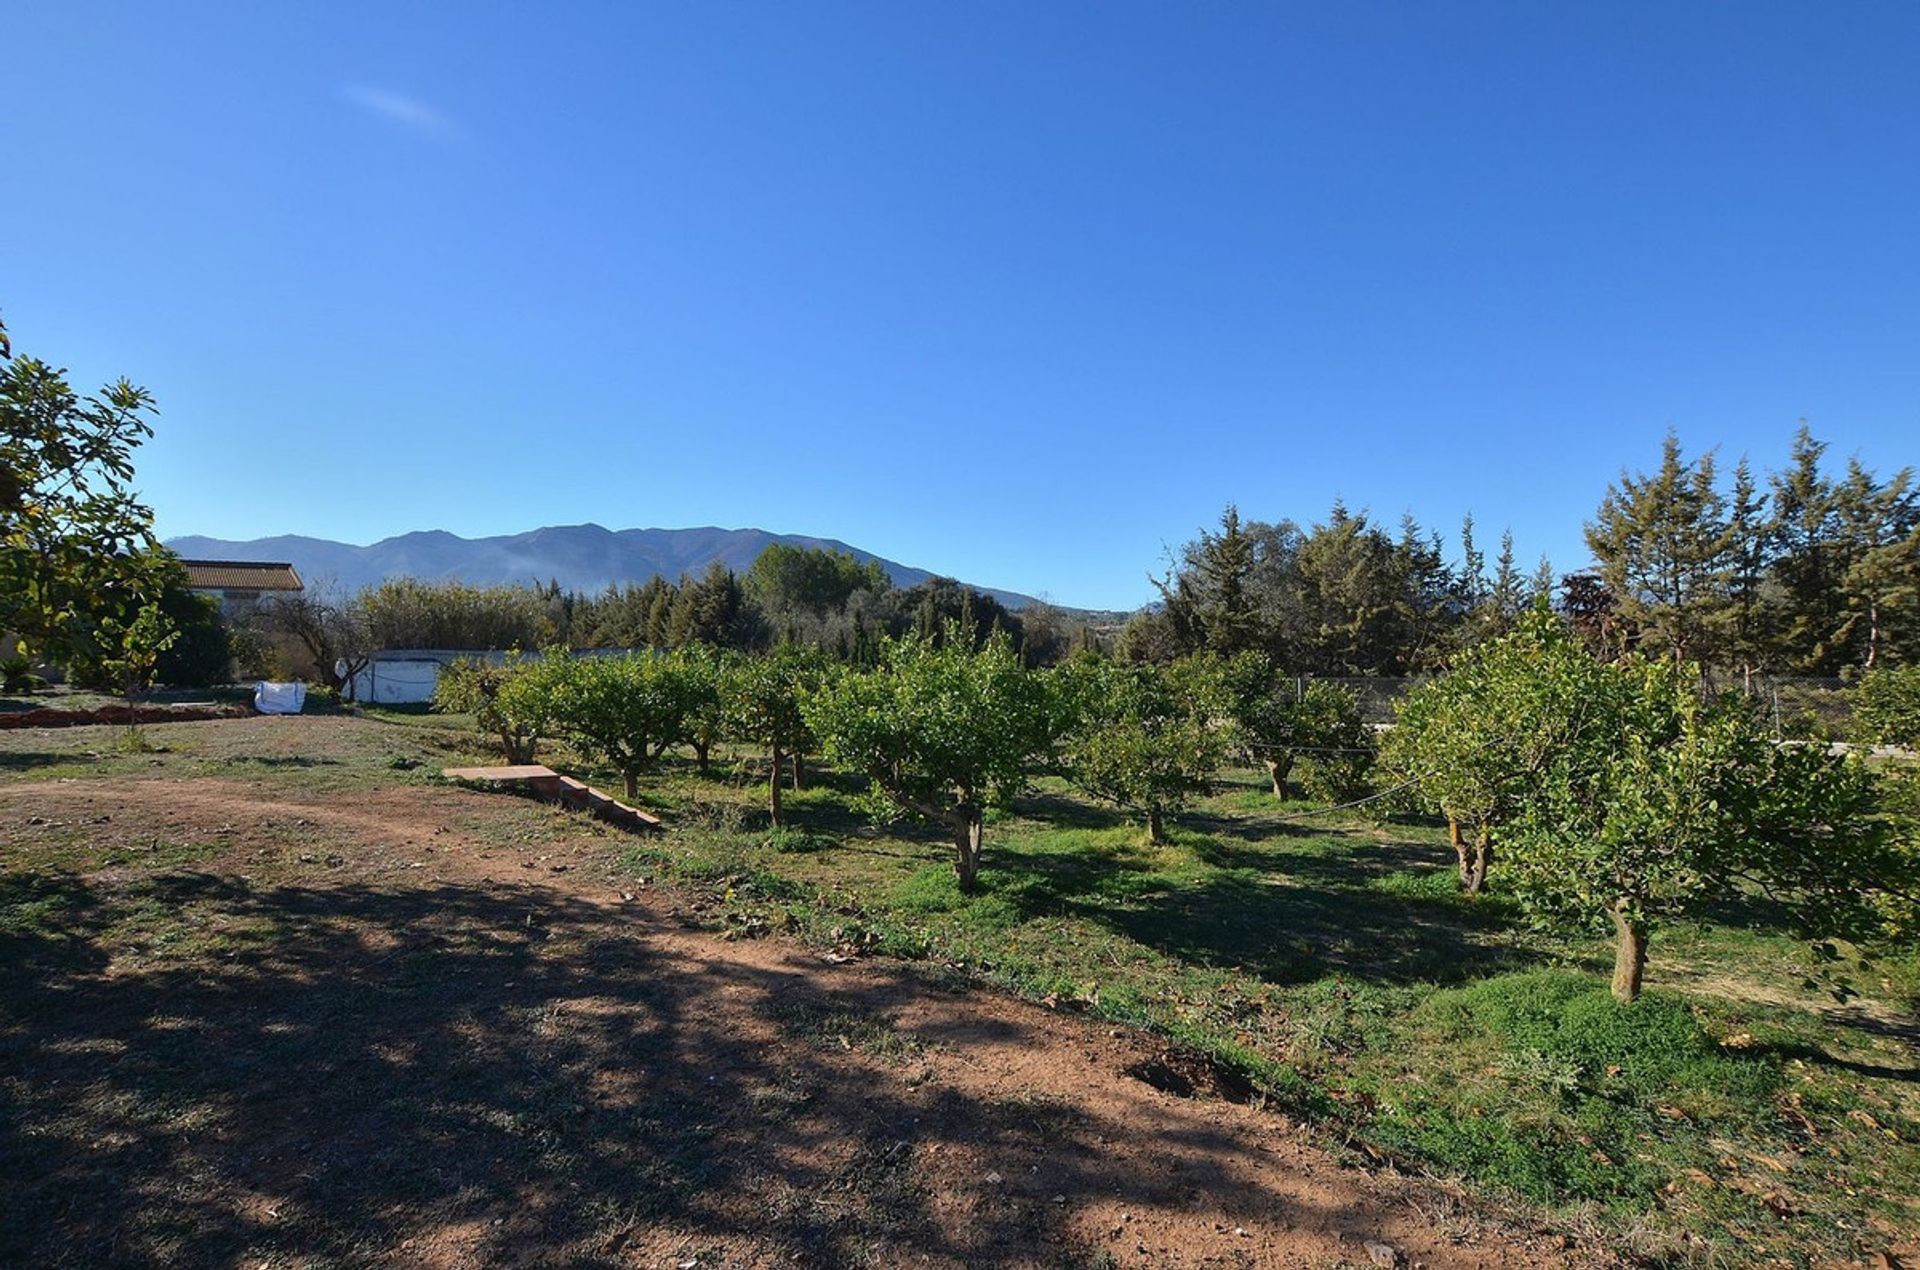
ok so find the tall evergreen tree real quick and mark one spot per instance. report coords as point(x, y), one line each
point(1662, 545)
point(1807, 569)
point(1879, 533)
point(1746, 615)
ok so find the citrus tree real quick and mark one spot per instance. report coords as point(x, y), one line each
point(940, 729)
point(705, 672)
point(760, 701)
point(1281, 721)
point(1474, 742)
point(513, 702)
point(1145, 738)
point(625, 710)
point(1688, 802)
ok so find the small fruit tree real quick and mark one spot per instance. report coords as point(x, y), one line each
point(705, 670)
point(1143, 737)
point(760, 699)
point(513, 702)
point(1474, 742)
point(1688, 802)
point(134, 649)
point(942, 730)
point(1282, 720)
point(625, 709)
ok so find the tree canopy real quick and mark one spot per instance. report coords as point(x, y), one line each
point(76, 542)
point(941, 728)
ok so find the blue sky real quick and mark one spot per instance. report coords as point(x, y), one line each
point(1023, 293)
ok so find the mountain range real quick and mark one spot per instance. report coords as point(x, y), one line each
point(586, 558)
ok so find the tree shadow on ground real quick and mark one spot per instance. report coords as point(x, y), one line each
point(1819, 1057)
point(1062, 812)
point(1255, 826)
point(1289, 917)
point(508, 1075)
point(280, 760)
point(27, 760)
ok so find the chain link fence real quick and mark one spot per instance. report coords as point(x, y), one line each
point(1795, 708)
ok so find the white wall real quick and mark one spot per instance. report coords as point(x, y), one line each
point(397, 681)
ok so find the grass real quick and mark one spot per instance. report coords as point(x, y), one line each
point(1338, 967)
point(1737, 1107)
point(63, 697)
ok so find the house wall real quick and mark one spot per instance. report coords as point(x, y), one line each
point(409, 676)
point(406, 678)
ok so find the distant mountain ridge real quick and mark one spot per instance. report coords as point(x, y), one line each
point(586, 558)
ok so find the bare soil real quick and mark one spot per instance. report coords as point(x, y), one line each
point(419, 1026)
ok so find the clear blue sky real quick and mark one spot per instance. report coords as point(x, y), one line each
point(1020, 292)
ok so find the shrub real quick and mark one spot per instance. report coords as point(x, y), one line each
point(1886, 706)
point(16, 674)
point(321, 699)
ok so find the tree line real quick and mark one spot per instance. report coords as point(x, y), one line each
point(1608, 791)
point(1803, 571)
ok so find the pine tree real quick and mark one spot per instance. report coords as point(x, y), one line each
point(1879, 532)
point(1662, 543)
point(1804, 544)
point(1747, 613)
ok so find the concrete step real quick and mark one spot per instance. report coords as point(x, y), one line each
point(565, 789)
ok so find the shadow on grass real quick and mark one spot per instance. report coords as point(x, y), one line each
point(1819, 1057)
point(281, 760)
point(1062, 812)
point(1289, 917)
point(509, 1075)
point(27, 760)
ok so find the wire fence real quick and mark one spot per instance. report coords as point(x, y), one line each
point(1797, 708)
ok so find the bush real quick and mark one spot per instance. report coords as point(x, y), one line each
point(321, 699)
point(16, 675)
point(1886, 706)
point(202, 655)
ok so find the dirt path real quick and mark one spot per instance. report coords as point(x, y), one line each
point(451, 1048)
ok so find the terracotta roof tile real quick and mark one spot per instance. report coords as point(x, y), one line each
point(242, 575)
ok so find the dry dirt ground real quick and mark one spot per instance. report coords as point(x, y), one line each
point(360, 1028)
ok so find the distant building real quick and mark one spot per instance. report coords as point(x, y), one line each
point(240, 584)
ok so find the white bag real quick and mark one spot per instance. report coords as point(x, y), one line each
point(279, 698)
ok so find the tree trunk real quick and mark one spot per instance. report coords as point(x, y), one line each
point(1278, 769)
point(1156, 826)
point(633, 783)
point(773, 788)
point(799, 770)
point(700, 749)
point(1459, 841)
point(1476, 876)
point(967, 827)
point(1629, 953)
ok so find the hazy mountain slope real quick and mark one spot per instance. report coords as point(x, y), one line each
point(581, 557)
